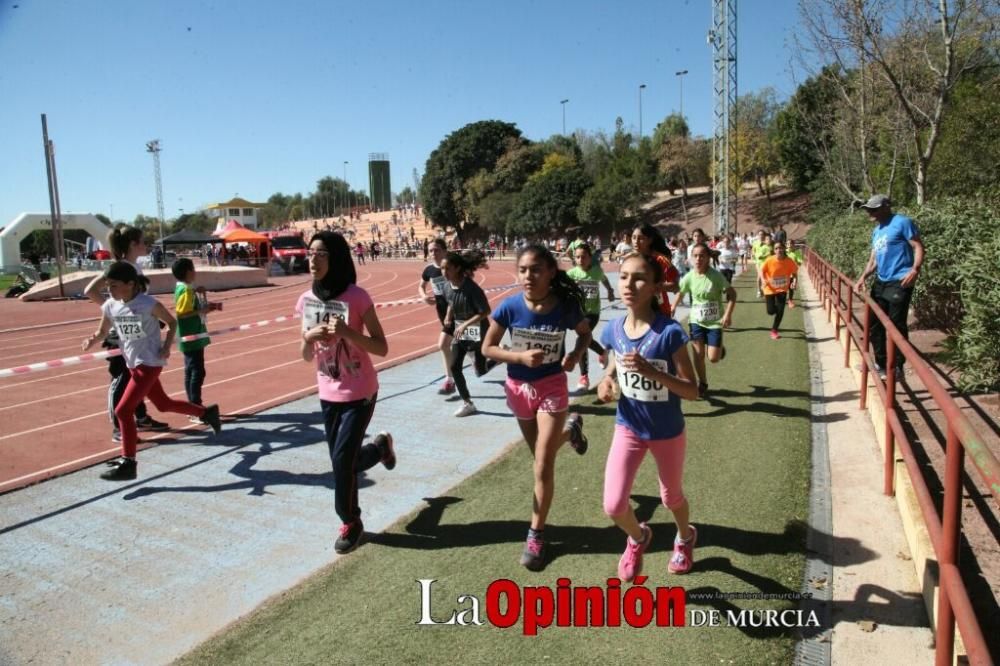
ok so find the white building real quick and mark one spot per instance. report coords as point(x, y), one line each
point(245, 212)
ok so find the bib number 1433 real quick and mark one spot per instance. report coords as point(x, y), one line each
point(317, 313)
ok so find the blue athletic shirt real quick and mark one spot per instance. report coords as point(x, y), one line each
point(530, 330)
point(893, 252)
point(660, 419)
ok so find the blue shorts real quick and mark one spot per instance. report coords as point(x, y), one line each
point(711, 336)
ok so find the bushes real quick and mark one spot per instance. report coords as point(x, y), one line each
point(958, 291)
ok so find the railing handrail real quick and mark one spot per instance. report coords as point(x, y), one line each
point(954, 607)
point(983, 459)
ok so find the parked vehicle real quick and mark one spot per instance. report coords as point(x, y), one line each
point(288, 249)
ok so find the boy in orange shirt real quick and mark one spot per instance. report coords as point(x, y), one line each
point(777, 275)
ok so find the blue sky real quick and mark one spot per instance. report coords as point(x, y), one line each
point(259, 97)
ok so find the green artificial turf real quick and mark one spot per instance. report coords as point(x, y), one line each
point(747, 479)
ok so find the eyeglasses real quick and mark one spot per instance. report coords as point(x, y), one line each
point(319, 254)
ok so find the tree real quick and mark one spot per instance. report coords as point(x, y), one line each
point(550, 200)
point(407, 196)
point(804, 129)
point(460, 156)
point(914, 56)
point(756, 148)
point(193, 221)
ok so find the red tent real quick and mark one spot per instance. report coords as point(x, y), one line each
point(229, 227)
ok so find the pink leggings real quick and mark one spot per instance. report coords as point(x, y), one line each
point(145, 382)
point(624, 458)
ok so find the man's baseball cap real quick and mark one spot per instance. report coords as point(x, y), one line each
point(876, 202)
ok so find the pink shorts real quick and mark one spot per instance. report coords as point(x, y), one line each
point(548, 394)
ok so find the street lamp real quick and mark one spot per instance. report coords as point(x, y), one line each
point(680, 78)
point(346, 185)
point(642, 86)
point(563, 102)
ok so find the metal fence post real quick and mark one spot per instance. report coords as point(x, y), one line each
point(951, 521)
point(850, 321)
point(864, 354)
point(890, 406)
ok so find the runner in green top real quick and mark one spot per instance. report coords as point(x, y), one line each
point(590, 276)
point(707, 287)
point(191, 307)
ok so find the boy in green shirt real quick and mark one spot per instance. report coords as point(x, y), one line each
point(191, 307)
point(588, 274)
point(708, 287)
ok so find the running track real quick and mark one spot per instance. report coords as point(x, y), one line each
point(55, 421)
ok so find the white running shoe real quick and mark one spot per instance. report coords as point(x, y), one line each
point(467, 409)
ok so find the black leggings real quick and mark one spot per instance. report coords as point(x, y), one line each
point(595, 346)
point(776, 307)
point(458, 350)
point(345, 424)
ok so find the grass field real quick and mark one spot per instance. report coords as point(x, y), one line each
point(6, 281)
point(747, 479)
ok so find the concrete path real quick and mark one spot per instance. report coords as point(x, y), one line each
point(140, 573)
point(877, 608)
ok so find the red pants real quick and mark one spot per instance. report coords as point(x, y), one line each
point(145, 383)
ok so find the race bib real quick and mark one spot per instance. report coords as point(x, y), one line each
point(550, 342)
point(129, 327)
point(706, 311)
point(316, 312)
point(589, 289)
point(635, 386)
point(779, 282)
point(470, 334)
point(437, 285)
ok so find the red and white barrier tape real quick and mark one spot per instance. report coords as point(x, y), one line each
point(73, 360)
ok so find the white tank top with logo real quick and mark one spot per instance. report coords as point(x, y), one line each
point(138, 330)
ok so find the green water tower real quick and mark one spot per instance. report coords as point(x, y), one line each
point(378, 180)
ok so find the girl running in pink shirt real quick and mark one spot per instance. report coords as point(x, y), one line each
point(651, 371)
point(336, 313)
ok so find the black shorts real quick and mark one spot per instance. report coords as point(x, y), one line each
point(442, 309)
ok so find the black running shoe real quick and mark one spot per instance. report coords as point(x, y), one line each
point(116, 436)
point(149, 423)
point(383, 441)
point(211, 417)
point(702, 389)
point(123, 469)
point(576, 437)
point(350, 537)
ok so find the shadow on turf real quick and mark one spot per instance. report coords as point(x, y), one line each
point(427, 532)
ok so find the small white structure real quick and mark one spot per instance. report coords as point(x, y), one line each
point(245, 212)
point(22, 226)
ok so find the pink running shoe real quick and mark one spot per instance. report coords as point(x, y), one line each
point(774, 334)
point(683, 557)
point(584, 383)
point(447, 387)
point(630, 565)
point(533, 556)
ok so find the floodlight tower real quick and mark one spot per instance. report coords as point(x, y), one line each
point(153, 147)
point(725, 191)
point(416, 184)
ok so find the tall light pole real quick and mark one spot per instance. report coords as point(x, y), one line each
point(153, 147)
point(563, 102)
point(642, 86)
point(348, 194)
point(680, 78)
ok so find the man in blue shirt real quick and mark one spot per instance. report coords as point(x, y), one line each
point(897, 254)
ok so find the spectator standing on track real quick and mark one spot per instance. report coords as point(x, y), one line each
point(336, 314)
point(651, 371)
point(896, 257)
point(136, 316)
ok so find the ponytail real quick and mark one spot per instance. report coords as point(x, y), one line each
point(120, 239)
point(468, 261)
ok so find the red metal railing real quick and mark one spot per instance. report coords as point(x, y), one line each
point(953, 599)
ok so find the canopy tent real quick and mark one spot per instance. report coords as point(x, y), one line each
point(223, 229)
point(190, 237)
point(243, 235)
